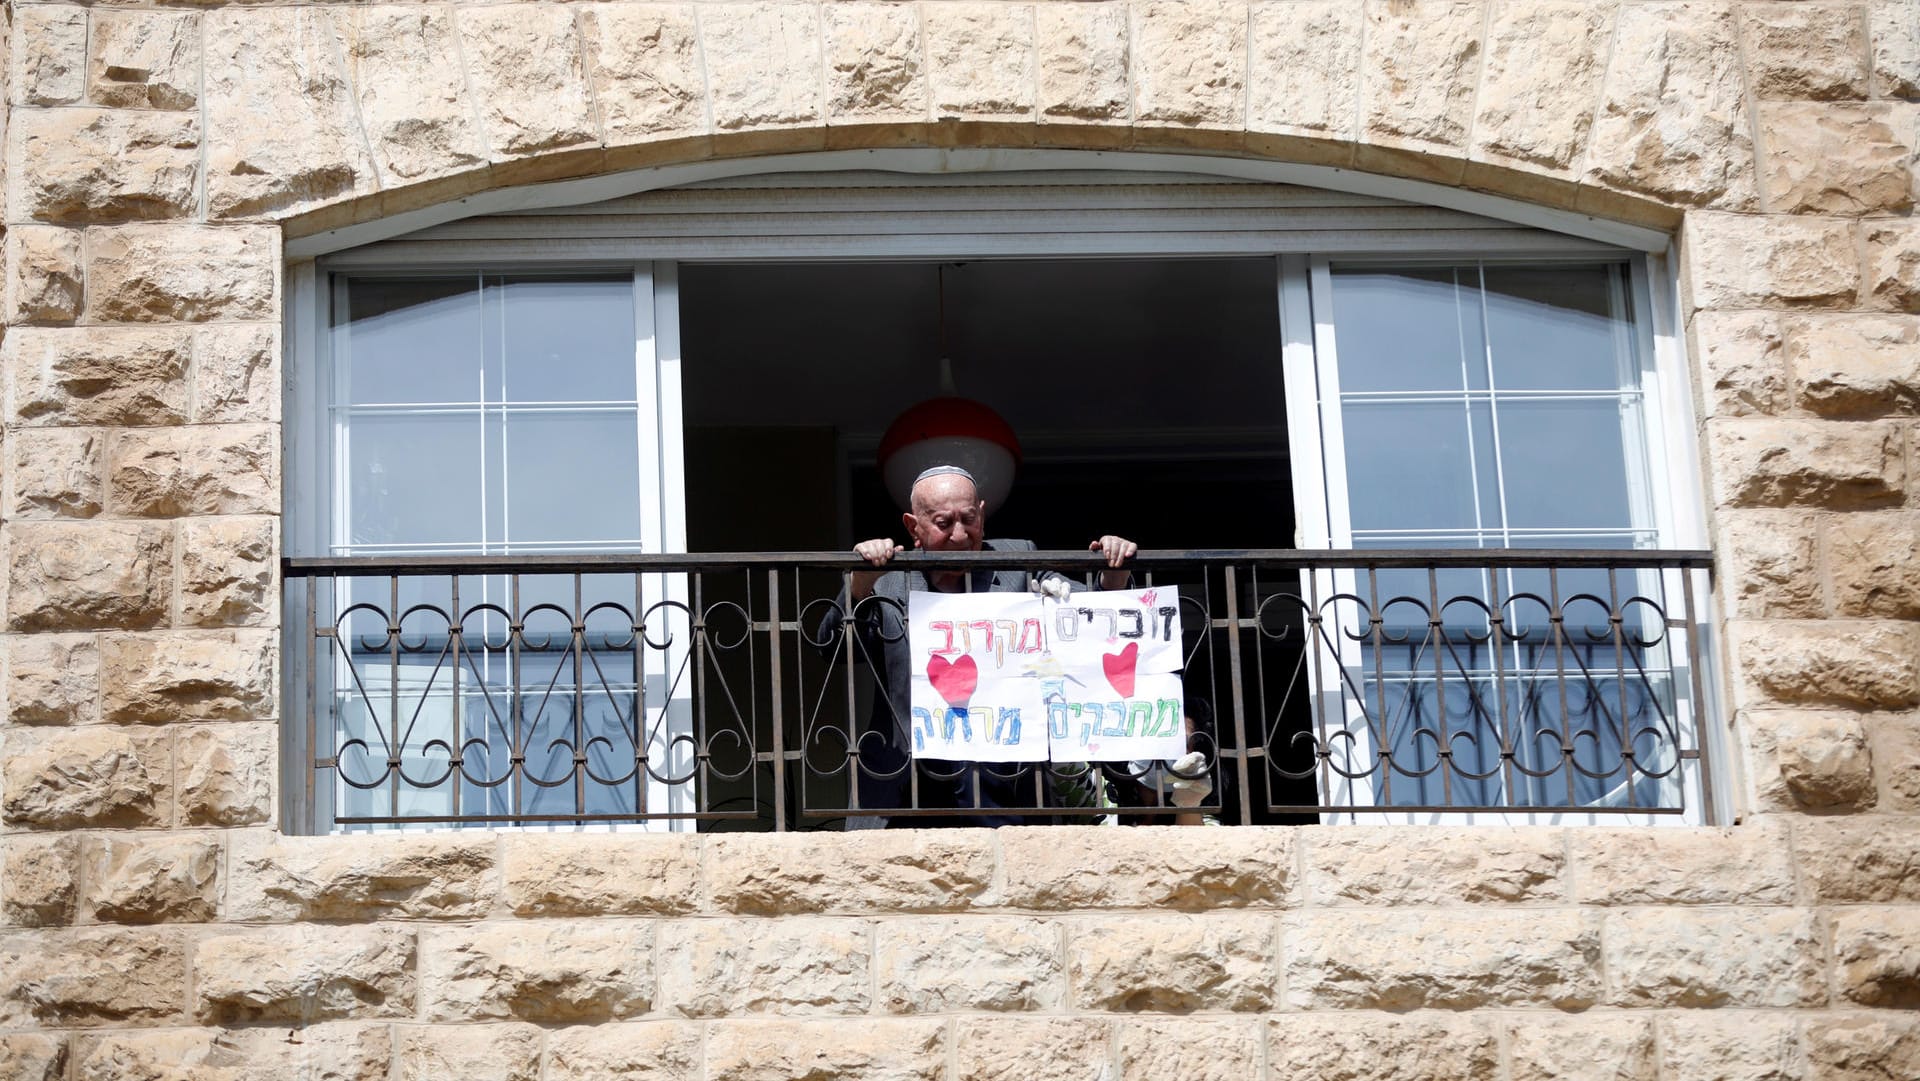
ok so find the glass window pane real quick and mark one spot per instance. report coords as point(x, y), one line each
point(412, 340)
point(572, 477)
point(1422, 465)
point(1408, 330)
point(414, 479)
point(1552, 328)
point(1565, 464)
point(569, 339)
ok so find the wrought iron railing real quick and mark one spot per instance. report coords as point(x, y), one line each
point(736, 691)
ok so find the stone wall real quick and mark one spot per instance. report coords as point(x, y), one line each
point(155, 924)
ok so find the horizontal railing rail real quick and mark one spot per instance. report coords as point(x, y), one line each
point(746, 690)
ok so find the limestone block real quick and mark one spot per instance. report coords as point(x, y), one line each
point(182, 273)
point(51, 50)
point(1814, 51)
point(1859, 860)
point(405, 67)
point(505, 1052)
point(1305, 76)
point(1770, 564)
point(1830, 662)
point(525, 69)
point(164, 879)
point(654, 1050)
point(227, 572)
point(1810, 759)
point(236, 374)
point(43, 274)
point(1743, 261)
point(537, 971)
point(1722, 1044)
point(98, 375)
point(56, 473)
point(1856, 365)
point(934, 965)
point(716, 968)
point(1194, 1049)
point(1421, 64)
point(1864, 1047)
point(1391, 865)
point(1835, 159)
point(1172, 963)
point(86, 166)
point(91, 976)
point(1458, 959)
point(1742, 362)
point(1032, 1049)
point(77, 575)
point(1347, 1046)
point(601, 874)
point(1543, 70)
point(304, 973)
point(190, 675)
point(1147, 867)
point(1714, 957)
point(1764, 462)
point(778, 1049)
point(1190, 64)
point(282, 128)
point(357, 878)
point(648, 79)
point(29, 1056)
point(1895, 742)
point(980, 60)
point(1083, 56)
point(39, 883)
point(200, 469)
point(1896, 48)
point(1673, 118)
point(1893, 265)
point(226, 774)
point(63, 778)
point(873, 55)
point(1617, 1048)
point(332, 1051)
point(763, 64)
point(1747, 865)
point(1876, 957)
point(903, 870)
point(52, 678)
point(144, 60)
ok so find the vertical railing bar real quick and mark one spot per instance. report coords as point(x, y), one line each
point(1617, 618)
point(1496, 626)
point(1383, 747)
point(1311, 654)
point(850, 644)
point(638, 700)
point(1708, 811)
point(312, 805)
point(1267, 772)
point(454, 643)
point(1558, 622)
point(1239, 693)
point(396, 748)
point(1438, 633)
point(516, 749)
point(776, 690)
point(579, 697)
point(697, 629)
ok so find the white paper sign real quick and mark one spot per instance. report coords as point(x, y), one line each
point(1013, 677)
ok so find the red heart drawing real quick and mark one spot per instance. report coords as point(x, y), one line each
point(955, 681)
point(1119, 668)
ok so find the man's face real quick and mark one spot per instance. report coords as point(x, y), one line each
point(947, 515)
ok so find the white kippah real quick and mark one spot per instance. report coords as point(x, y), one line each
point(942, 471)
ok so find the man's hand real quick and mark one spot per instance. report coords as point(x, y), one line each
point(1116, 550)
point(876, 552)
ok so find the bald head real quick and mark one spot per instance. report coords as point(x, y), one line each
point(947, 514)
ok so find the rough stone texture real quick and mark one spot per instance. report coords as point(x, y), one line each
point(63, 778)
point(39, 884)
point(1896, 48)
point(98, 376)
point(236, 374)
point(1893, 264)
point(1543, 70)
point(1742, 261)
point(1810, 662)
point(645, 65)
point(1832, 159)
point(1191, 1048)
point(601, 874)
point(52, 52)
point(1730, 1046)
point(52, 678)
point(43, 274)
point(1770, 565)
point(1806, 50)
point(718, 968)
point(655, 1051)
point(1805, 759)
point(1714, 957)
point(56, 473)
point(199, 469)
point(304, 973)
point(165, 879)
point(1746, 865)
point(1146, 867)
point(1771, 463)
point(525, 68)
point(1876, 957)
point(359, 878)
point(915, 870)
point(1444, 960)
point(1673, 121)
point(505, 1052)
point(1617, 1048)
point(1854, 860)
point(1864, 1047)
point(1032, 1049)
point(206, 675)
point(1084, 51)
point(778, 1050)
point(226, 774)
point(763, 64)
point(1422, 65)
point(980, 59)
point(181, 273)
point(92, 976)
point(227, 572)
point(1189, 64)
point(1741, 361)
point(874, 68)
point(1351, 1045)
point(537, 971)
point(1389, 865)
point(1847, 366)
point(1305, 77)
point(1896, 760)
point(27, 1056)
point(939, 965)
point(144, 60)
point(1172, 963)
point(103, 165)
point(404, 63)
point(333, 1051)
point(79, 575)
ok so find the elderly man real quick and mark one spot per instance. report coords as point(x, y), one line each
point(945, 514)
